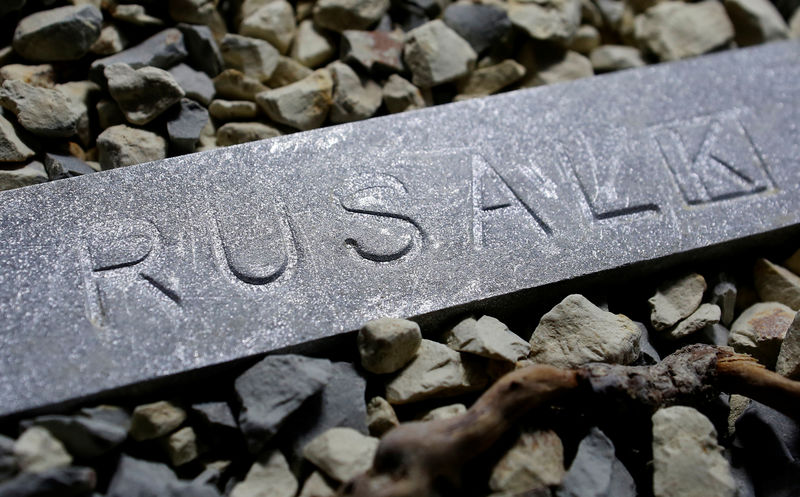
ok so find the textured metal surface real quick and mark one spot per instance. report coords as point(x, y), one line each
point(133, 274)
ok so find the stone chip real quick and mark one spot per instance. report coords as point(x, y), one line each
point(676, 299)
point(380, 416)
point(549, 20)
point(775, 283)
point(400, 95)
point(42, 111)
point(339, 15)
point(273, 22)
point(705, 315)
point(12, 148)
point(155, 420)
point(535, 461)
point(760, 330)
point(487, 337)
point(64, 33)
point(354, 98)
point(435, 54)
point(122, 145)
point(303, 105)
point(142, 94)
point(252, 56)
point(342, 453)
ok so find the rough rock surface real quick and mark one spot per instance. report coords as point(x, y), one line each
point(487, 80)
point(687, 460)
point(445, 412)
point(536, 461)
point(203, 51)
point(387, 344)
point(273, 389)
point(596, 472)
point(576, 332)
point(252, 56)
point(375, 51)
point(268, 476)
point(676, 30)
point(548, 69)
point(437, 370)
point(142, 94)
point(186, 125)
point(16, 176)
point(760, 330)
point(287, 72)
point(435, 54)
point(216, 414)
point(400, 95)
point(776, 284)
point(549, 20)
point(121, 145)
point(197, 85)
point(788, 363)
point(37, 450)
point(303, 105)
point(487, 337)
point(607, 58)
point(273, 22)
point(231, 110)
point(316, 486)
point(312, 47)
point(482, 25)
point(354, 98)
point(236, 133)
point(163, 50)
point(235, 85)
point(676, 299)
point(12, 148)
point(724, 295)
point(84, 437)
point(705, 315)
point(586, 39)
point(64, 33)
point(155, 420)
point(756, 21)
point(339, 15)
point(182, 446)
point(65, 481)
point(380, 416)
point(42, 111)
point(341, 453)
point(42, 75)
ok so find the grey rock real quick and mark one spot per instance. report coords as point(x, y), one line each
point(65, 166)
point(303, 105)
point(535, 461)
point(37, 450)
point(354, 98)
point(387, 344)
point(775, 283)
point(185, 127)
point(231, 110)
point(437, 370)
point(252, 56)
point(487, 80)
point(342, 453)
point(273, 22)
point(108, 414)
point(483, 26)
point(380, 416)
point(760, 329)
point(142, 94)
point(202, 12)
point(687, 459)
point(120, 146)
point(182, 446)
point(16, 176)
point(705, 315)
point(788, 363)
point(236, 133)
point(677, 30)
point(773, 436)
point(41, 75)
point(64, 33)
point(312, 47)
point(273, 389)
point(676, 299)
point(248, 8)
point(68, 481)
point(155, 420)
point(316, 486)
point(576, 332)
point(586, 39)
point(162, 50)
point(551, 20)
point(487, 337)
point(216, 414)
point(235, 85)
point(546, 69)
point(110, 41)
point(756, 21)
point(435, 54)
point(595, 471)
point(135, 477)
point(195, 84)
point(268, 476)
point(136, 15)
point(444, 412)
point(377, 52)
point(202, 48)
point(339, 15)
point(615, 57)
point(83, 437)
point(12, 148)
point(400, 95)
point(287, 72)
point(724, 295)
point(41, 111)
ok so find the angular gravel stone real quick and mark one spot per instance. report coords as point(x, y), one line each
point(273, 389)
point(252, 56)
point(576, 332)
point(15, 176)
point(341, 453)
point(41, 111)
point(596, 472)
point(202, 49)
point(444, 412)
point(269, 476)
point(142, 94)
point(387, 344)
point(42, 75)
point(550, 20)
point(155, 420)
point(136, 15)
point(235, 85)
point(608, 58)
point(237, 133)
point(536, 461)
point(216, 414)
point(400, 95)
point(83, 437)
point(724, 295)
point(37, 450)
point(380, 416)
point(437, 370)
point(435, 54)
point(303, 105)
point(185, 127)
point(675, 300)
point(316, 486)
point(68, 481)
point(134, 477)
point(65, 166)
point(121, 145)
point(774, 436)
point(110, 41)
point(687, 460)
point(287, 72)
point(483, 26)
point(487, 337)
point(274, 22)
point(9, 466)
point(109, 114)
point(182, 446)
point(487, 80)
point(788, 363)
point(378, 52)
point(794, 25)
point(677, 30)
point(760, 329)
point(65, 33)
point(793, 262)
point(231, 110)
point(775, 283)
point(705, 315)
point(11, 6)
point(12, 149)
point(311, 47)
point(586, 39)
point(339, 15)
point(108, 414)
point(195, 84)
point(756, 21)
point(549, 69)
point(354, 98)
point(162, 50)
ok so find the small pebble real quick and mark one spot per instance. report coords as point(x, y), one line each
point(162, 50)
point(110, 41)
point(155, 420)
point(546, 69)
point(182, 446)
point(380, 416)
point(135, 15)
point(377, 52)
point(488, 80)
point(42, 111)
point(203, 51)
point(216, 415)
point(236, 133)
point(17, 176)
point(354, 98)
point(231, 110)
point(387, 344)
point(303, 105)
point(482, 25)
point(235, 85)
point(788, 363)
point(536, 461)
point(608, 58)
point(675, 300)
point(586, 39)
point(121, 145)
point(186, 125)
point(487, 337)
point(273, 22)
point(596, 471)
point(312, 47)
point(12, 148)
point(760, 329)
point(341, 453)
point(339, 15)
point(142, 94)
point(400, 95)
point(435, 54)
point(269, 476)
point(287, 72)
point(775, 283)
point(37, 450)
point(195, 84)
point(316, 486)
point(444, 412)
point(64, 33)
point(705, 315)
point(253, 57)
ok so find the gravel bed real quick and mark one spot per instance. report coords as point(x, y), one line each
point(89, 85)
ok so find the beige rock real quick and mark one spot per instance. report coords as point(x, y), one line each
point(316, 486)
point(794, 24)
point(435, 54)
point(576, 332)
point(586, 39)
point(341, 453)
point(312, 47)
point(110, 41)
point(303, 105)
point(109, 114)
point(37, 450)
point(756, 21)
point(254, 57)
point(676, 299)
point(549, 20)
point(354, 98)
point(687, 460)
point(42, 111)
point(229, 110)
point(42, 75)
point(25, 175)
point(760, 329)
point(12, 148)
point(120, 146)
point(182, 446)
point(705, 315)
point(155, 420)
point(273, 22)
point(208, 138)
point(793, 262)
point(235, 85)
point(400, 95)
point(380, 416)
point(288, 72)
point(546, 69)
point(136, 15)
point(387, 344)
point(738, 404)
point(339, 15)
point(445, 412)
point(437, 370)
point(536, 461)
point(776, 284)
point(487, 337)
point(615, 57)
point(488, 80)
point(269, 476)
point(236, 133)
point(788, 363)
